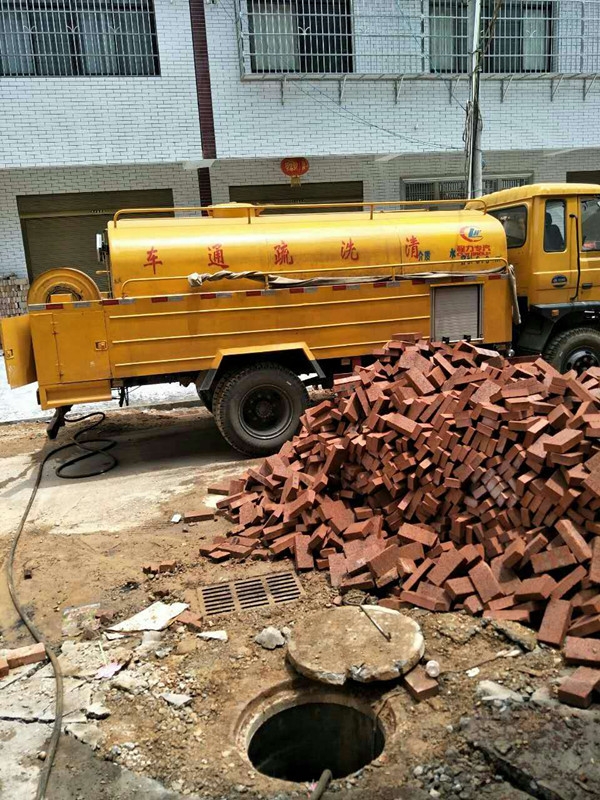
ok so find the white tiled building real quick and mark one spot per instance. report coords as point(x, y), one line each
point(100, 106)
point(380, 96)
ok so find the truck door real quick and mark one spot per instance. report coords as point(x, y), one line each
point(589, 223)
point(555, 278)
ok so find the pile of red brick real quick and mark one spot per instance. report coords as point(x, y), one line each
point(441, 477)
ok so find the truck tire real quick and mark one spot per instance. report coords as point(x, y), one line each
point(577, 349)
point(258, 408)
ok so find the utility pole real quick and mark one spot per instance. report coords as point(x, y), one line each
point(474, 124)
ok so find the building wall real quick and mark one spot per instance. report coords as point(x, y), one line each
point(252, 121)
point(382, 179)
point(124, 120)
point(14, 183)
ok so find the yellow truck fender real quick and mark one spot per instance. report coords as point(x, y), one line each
point(300, 350)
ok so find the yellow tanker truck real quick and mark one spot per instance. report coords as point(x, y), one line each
point(242, 300)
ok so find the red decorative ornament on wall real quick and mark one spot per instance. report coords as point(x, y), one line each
point(294, 168)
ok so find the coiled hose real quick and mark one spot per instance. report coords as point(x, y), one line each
point(91, 448)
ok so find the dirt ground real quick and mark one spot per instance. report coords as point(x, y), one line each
point(86, 541)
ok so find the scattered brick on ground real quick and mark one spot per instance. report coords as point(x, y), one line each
point(30, 654)
point(444, 477)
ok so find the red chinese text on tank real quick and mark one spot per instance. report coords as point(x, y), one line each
point(282, 254)
point(216, 257)
point(152, 259)
point(348, 251)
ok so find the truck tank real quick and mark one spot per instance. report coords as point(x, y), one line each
point(150, 255)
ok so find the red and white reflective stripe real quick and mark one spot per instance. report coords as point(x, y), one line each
point(337, 287)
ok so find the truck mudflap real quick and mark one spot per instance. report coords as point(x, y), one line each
point(15, 334)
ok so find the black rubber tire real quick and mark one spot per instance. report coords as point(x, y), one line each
point(561, 350)
point(232, 407)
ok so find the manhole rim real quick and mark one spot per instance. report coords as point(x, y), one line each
point(292, 693)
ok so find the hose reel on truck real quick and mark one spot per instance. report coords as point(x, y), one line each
point(62, 281)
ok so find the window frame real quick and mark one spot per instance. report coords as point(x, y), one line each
point(71, 33)
point(309, 58)
point(583, 249)
point(495, 211)
point(457, 12)
point(564, 231)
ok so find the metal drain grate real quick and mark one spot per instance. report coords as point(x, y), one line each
point(262, 590)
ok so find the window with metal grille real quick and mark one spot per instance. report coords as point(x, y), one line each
point(456, 188)
point(67, 38)
point(521, 39)
point(300, 36)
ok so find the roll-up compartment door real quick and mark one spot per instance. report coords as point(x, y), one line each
point(456, 312)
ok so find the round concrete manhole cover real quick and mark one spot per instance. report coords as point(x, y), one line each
point(368, 644)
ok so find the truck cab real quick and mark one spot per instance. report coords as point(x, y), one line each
point(553, 242)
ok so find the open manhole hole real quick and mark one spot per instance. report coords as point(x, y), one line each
point(299, 742)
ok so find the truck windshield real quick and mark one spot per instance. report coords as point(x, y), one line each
point(590, 223)
point(514, 222)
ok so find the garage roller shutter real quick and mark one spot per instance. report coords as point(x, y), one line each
point(283, 193)
point(456, 312)
point(59, 230)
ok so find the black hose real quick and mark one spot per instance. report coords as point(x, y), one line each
point(37, 635)
point(323, 783)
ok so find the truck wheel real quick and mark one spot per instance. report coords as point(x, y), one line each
point(577, 349)
point(258, 408)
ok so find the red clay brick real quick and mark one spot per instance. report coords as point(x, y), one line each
point(578, 689)
point(539, 588)
point(555, 622)
point(30, 654)
point(447, 563)
point(459, 587)
point(193, 621)
point(585, 626)
point(384, 561)
point(302, 555)
point(513, 614)
point(568, 582)
point(484, 581)
point(200, 514)
point(415, 533)
point(420, 686)
point(582, 651)
point(574, 540)
point(514, 553)
point(337, 568)
point(594, 573)
point(550, 560)
point(563, 441)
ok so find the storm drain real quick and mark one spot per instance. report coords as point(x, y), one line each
point(261, 590)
